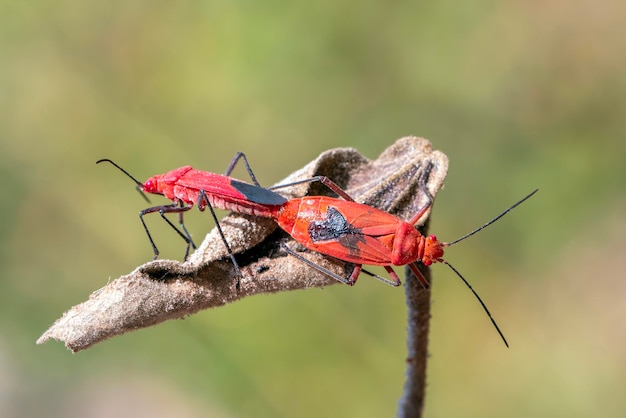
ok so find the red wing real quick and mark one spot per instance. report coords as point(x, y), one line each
point(229, 189)
point(370, 221)
point(358, 249)
point(211, 183)
point(352, 232)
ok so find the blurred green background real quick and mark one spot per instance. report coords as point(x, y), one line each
point(518, 94)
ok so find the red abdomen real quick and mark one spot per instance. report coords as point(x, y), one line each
point(346, 230)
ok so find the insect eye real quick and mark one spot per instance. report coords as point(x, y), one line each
point(149, 186)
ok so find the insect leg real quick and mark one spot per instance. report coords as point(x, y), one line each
point(184, 228)
point(350, 280)
point(233, 163)
point(186, 236)
point(395, 282)
point(319, 268)
point(173, 208)
point(422, 183)
point(419, 276)
point(342, 193)
point(322, 179)
point(203, 201)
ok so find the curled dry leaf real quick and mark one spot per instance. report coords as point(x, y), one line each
point(165, 289)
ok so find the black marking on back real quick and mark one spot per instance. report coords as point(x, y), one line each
point(331, 228)
point(258, 194)
point(336, 228)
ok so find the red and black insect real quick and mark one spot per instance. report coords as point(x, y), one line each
point(186, 186)
point(361, 234)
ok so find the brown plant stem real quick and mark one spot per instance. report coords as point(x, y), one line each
point(411, 403)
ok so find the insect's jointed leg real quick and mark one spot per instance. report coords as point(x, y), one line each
point(419, 275)
point(396, 280)
point(233, 163)
point(184, 228)
point(203, 202)
point(319, 268)
point(173, 208)
point(350, 280)
point(423, 187)
point(321, 179)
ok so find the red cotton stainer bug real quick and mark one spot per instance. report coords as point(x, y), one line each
point(186, 186)
point(361, 234)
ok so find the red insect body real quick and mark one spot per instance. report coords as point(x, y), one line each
point(185, 184)
point(361, 234)
point(355, 232)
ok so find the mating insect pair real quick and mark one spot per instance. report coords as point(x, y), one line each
point(338, 227)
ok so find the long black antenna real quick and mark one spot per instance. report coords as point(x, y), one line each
point(493, 321)
point(491, 221)
point(139, 184)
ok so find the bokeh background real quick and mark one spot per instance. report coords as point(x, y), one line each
point(518, 94)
